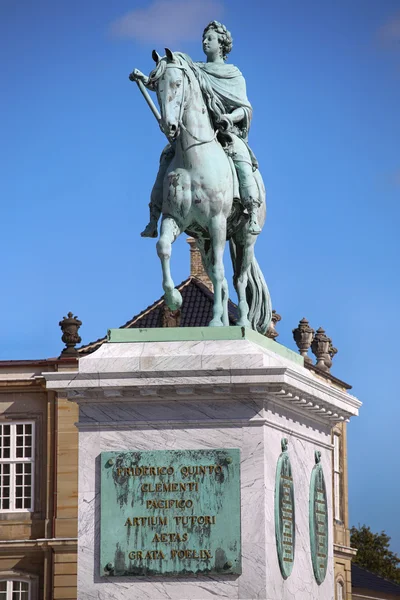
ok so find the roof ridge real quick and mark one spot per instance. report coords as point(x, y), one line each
point(204, 290)
point(151, 307)
point(132, 320)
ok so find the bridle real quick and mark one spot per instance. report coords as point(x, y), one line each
point(182, 106)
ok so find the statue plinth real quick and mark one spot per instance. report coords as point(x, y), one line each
point(192, 399)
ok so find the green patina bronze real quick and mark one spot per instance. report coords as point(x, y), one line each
point(172, 512)
point(193, 334)
point(208, 183)
point(285, 524)
point(318, 521)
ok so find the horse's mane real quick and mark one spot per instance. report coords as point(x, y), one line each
point(213, 103)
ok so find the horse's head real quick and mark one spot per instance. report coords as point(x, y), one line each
point(171, 82)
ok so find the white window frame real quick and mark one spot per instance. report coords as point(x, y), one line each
point(13, 460)
point(337, 477)
point(10, 582)
point(340, 590)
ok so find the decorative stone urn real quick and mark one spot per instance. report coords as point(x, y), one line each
point(70, 326)
point(303, 336)
point(272, 332)
point(323, 349)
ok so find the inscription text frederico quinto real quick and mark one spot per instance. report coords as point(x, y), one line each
point(170, 512)
point(166, 503)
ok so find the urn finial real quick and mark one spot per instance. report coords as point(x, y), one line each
point(271, 331)
point(323, 349)
point(69, 327)
point(303, 336)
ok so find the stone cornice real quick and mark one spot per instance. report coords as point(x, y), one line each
point(286, 385)
point(69, 544)
point(13, 383)
point(237, 364)
point(344, 551)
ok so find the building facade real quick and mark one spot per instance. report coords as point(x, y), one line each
point(38, 484)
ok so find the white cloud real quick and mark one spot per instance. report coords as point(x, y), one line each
point(389, 33)
point(168, 21)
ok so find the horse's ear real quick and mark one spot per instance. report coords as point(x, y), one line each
point(170, 55)
point(156, 57)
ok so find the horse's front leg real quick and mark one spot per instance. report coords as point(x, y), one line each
point(217, 230)
point(169, 233)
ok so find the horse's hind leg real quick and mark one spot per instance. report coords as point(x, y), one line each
point(169, 233)
point(244, 257)
point(206, 254)
point(225, 299)
point(217, 229)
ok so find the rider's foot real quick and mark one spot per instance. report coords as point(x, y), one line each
point(150, 230)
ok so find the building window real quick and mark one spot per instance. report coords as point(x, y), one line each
point(16, 469)
point(337, 492)
point(15, 590)
point(340, 590)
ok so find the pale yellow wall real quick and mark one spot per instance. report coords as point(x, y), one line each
point(65, 569)
point(53, 561)
point(67, 469)
point(342, 552)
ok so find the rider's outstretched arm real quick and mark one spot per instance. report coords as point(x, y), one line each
point(137, 75)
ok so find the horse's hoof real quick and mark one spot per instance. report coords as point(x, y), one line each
point(243, 323)
point(150, 231)
point(216, 323)
point(173, 299)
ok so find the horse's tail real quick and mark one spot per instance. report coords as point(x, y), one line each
point(257, 294)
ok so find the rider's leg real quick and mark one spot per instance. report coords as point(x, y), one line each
point(248, 188)
point(249, 194)
point(156, 197)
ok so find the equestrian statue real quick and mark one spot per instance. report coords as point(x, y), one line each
point(208, 183)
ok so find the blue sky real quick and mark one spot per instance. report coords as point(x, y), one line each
point(79, 152)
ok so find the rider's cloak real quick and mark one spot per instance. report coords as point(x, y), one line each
point(229, 85)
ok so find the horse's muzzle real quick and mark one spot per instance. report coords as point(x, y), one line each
point(171, 130)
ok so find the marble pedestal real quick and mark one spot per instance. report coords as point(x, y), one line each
point(180, 389)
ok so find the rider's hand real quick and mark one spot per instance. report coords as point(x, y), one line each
point(225, 123)
point(137, 75)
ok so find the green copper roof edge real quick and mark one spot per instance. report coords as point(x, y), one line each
point(194, 334)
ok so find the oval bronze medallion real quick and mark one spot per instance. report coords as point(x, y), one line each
point(284, 512)
point(318, 521)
